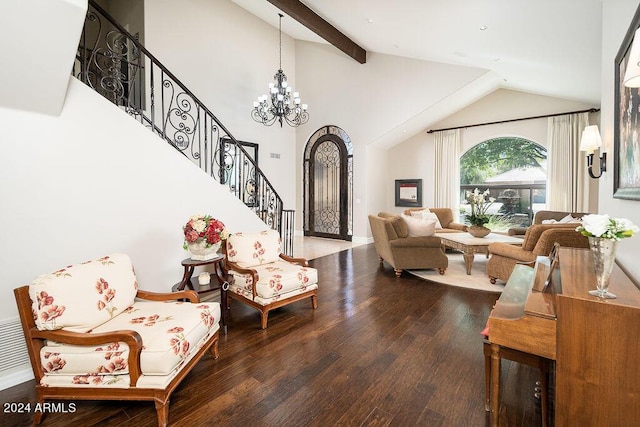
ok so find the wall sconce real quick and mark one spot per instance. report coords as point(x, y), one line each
point(590, 142)
point(632, 73)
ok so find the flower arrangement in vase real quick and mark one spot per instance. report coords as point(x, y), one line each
point(203, 236)
point(604, 233)
point(480, 203)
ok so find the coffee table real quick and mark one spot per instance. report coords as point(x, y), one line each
point(469, 245)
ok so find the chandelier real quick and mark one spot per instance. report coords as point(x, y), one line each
point(282, 104)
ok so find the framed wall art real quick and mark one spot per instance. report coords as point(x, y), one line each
point(626, 138)
point(409, 192)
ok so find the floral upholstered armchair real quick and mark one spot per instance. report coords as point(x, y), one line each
point(92, 334)
point(263, 277)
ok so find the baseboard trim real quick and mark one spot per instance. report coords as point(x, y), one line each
point(16, 377)
point(355, 239)
point(362, 240)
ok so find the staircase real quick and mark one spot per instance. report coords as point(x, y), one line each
point(114, 63)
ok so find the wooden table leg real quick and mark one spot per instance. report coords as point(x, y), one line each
point(495, 384)
point(186, 278)
point(468, 260)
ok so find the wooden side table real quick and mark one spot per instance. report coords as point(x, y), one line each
point(189, 282)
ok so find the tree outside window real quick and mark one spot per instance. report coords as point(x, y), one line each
point(514, 171)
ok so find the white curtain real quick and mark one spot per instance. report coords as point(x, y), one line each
point(448, 149)
point(567, 179)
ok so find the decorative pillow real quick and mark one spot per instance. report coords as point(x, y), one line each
point(251, 249)
point(426, 214)
point(420, 226)
point(81, 297)
point(418, 213)
point(567, 219)
point(399, 225)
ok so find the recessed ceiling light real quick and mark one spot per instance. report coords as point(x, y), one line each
point(483, 27)
point(404, 131)
point(370, 21)
point(496, 59)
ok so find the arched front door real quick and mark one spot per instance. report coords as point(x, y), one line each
point(328, 184)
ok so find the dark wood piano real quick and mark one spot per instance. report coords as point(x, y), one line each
point(595, 343)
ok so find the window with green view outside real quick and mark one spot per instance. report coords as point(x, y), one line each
point(514, 172)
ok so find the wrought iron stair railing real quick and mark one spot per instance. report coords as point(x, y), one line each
point(115, 64)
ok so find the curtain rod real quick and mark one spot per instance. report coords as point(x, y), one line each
point(590, 110)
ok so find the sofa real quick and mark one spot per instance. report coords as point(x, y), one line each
point(542, 217)
point(538, 240)
point(395, 246)
point(445, 217)
point(91, 334)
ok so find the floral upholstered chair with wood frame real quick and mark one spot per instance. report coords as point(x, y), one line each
point(92, 334)
point(263, 277)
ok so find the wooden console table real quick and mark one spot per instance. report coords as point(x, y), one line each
point(219, 282)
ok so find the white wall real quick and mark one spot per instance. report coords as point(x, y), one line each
point(617, 16)
point(39, 51)
point(94, 181)
point(227, 57)
point(376, 180)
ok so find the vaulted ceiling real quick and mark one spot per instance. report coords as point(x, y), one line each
point(547, 47)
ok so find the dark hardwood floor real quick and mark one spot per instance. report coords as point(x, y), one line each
point(378, 351)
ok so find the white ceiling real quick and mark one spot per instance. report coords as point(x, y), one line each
point(548, 47)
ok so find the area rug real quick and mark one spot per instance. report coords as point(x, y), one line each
point(456, 274)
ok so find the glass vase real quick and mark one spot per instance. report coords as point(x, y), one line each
point(604, 256)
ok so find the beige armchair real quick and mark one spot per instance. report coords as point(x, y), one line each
point(393, 244)
point(445, 216)
point(538, 241)
point(91, 334)
point(541, 216)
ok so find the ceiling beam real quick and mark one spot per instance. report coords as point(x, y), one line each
point(307, 17)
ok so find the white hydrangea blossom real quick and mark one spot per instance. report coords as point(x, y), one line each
point(594, 225)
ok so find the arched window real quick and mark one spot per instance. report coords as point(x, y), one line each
point(514, 171)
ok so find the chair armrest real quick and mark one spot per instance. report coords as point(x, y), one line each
point(129, 337)
point(511, 251)
point(254, 274)
point(190, 295)
point(517, 231)
point(457, 226)
point(301, 261)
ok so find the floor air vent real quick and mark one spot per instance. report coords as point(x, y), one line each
point(13, 351)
